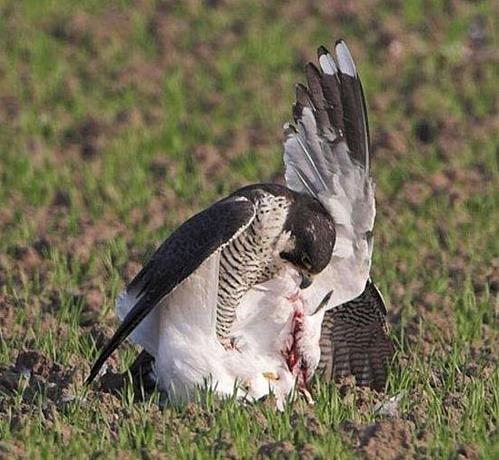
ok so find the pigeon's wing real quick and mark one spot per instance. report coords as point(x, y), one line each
point(355, 341)
point(326, 154)
point(176, 259)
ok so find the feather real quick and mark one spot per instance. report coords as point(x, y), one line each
point(318, 99)
point(354, 106)
point(326, 62)
point(303, 97)
point(355, 340)
point(331, 89)
point(345, 60)
point(329, 159)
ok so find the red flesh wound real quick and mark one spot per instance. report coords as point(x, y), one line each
point(292, 353)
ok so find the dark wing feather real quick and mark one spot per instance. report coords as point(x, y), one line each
point(331, 89)
point(354, 106)
point(302, 100)
point(141, 371)
point(179, 256)
point(335, 94)
point(355, 341)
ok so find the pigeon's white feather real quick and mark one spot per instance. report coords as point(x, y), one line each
point(348, 196)
point(180, 335)
point(146, 334)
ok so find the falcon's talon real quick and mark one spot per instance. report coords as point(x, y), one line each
point(306, 394)
point(230, 344)
point(271, 376)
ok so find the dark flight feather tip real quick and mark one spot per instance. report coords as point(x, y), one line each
point(340, 41)
point(354, 106)
point(303, 96)
point(335, 94)
point(317, 95)
point(314, 86)
point(322, 50)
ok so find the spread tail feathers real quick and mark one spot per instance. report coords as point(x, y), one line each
point(355, 341)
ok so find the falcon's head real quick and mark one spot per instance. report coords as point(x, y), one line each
point(312, 235)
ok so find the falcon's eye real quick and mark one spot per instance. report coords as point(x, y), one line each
point(305, 260)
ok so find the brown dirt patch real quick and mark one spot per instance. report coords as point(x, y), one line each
point(383, 440)
point(363, 398)
point(10, 450)
point(224, 443)
point(34, 373)
point(467, 451)
point(308, 452)
point(8, 323)
point(280, 449)
point(87, 136)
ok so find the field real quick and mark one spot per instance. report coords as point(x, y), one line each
point(118, 120)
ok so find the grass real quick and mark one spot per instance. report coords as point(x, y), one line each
point(120, 120)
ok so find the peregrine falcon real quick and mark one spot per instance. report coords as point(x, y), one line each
point(236, 296)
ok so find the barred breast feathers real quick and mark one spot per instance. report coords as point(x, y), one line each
point(250, 259)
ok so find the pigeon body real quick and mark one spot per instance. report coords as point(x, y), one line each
point(180, 336)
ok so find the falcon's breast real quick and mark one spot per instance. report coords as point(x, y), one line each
point(252, 258)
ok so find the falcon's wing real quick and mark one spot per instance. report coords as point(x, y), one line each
point(177, 258)
point(327, 155)
point(355, 341)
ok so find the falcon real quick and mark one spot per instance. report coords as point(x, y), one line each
point(235, 298)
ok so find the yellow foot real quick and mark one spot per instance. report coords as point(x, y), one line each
point(308, 397)
point(270, 376)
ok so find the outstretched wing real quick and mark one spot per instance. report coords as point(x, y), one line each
point(355, 341)
point(176, 259)
point(326, 154)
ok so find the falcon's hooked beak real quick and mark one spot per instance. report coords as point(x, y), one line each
point(306, 279)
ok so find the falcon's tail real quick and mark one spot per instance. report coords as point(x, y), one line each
point(355, 341)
